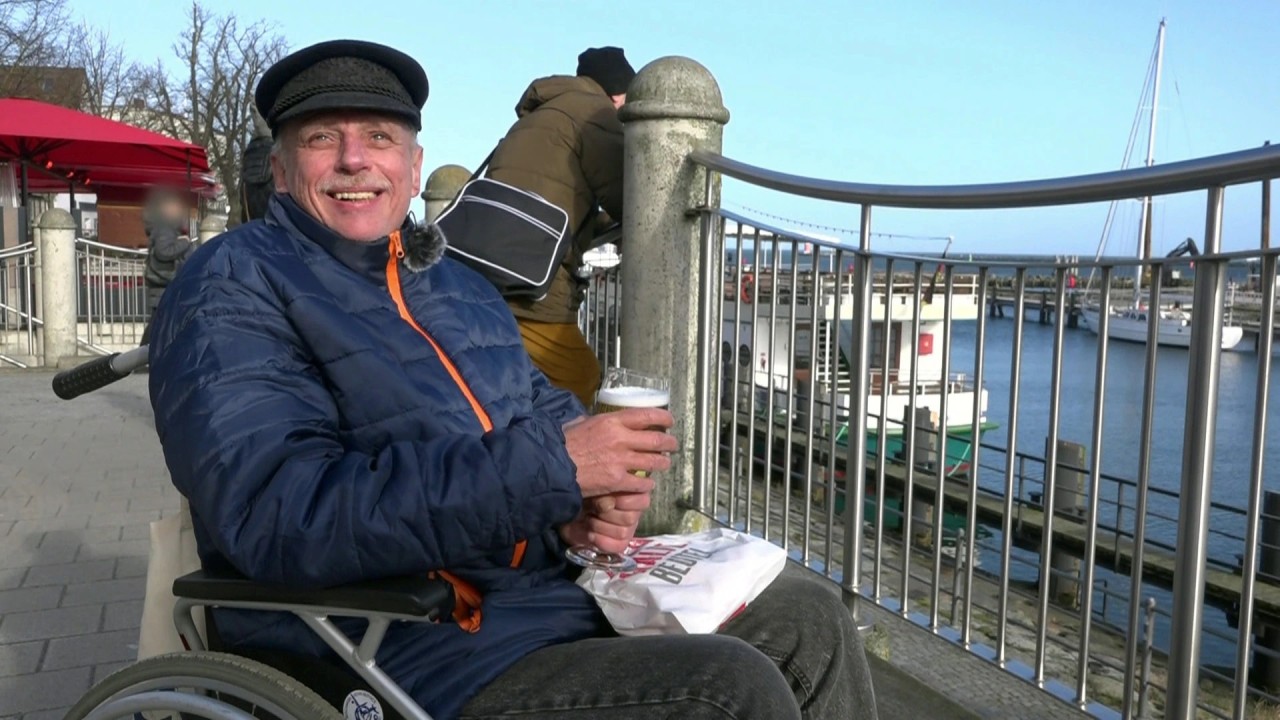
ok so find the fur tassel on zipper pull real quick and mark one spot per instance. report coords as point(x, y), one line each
point(423, 247)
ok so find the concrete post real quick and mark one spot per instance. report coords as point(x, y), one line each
point(673, 108)
point(443, 185)
point(58, 278)
point(211, 227)
point(1068, 499)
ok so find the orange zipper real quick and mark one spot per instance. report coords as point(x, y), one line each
point(466, 610)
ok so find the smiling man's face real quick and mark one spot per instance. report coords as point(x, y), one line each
point(355, 172)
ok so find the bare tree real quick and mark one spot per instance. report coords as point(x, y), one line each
point(91, 72)
point(33, 34)
point(112, 82)
point(210, 103)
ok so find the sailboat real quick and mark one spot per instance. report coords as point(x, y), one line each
point(1131, 323)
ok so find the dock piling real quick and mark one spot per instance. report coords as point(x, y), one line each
point(1068, 499)
point(1266, 658)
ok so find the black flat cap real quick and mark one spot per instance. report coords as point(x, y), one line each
point(342, 75)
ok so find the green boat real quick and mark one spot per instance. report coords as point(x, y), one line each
point(959, 452)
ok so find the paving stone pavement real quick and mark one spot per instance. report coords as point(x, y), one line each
point(81, 480)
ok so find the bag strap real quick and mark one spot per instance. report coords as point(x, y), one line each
point(483, 164)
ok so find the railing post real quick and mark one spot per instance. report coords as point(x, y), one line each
point(58, 284)
point(211, 227)
point(443, 185)
point(1197, 469)
point(673, 108)
point(856, 460)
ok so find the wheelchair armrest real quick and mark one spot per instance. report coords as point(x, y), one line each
point(417, 596)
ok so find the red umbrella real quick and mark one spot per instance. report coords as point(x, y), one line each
point(58, 138)
point(70, 149)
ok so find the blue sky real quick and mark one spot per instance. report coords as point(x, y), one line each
point(907, 92)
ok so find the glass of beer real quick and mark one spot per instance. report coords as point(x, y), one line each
point(622, 388)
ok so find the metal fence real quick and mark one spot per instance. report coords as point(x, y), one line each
point(599, 314)
point(111, 296)
point(19, 316)
point(1037, 493)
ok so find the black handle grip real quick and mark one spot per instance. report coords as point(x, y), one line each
point(90, 376)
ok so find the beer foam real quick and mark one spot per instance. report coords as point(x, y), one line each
point(633, 397)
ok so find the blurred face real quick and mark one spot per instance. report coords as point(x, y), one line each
point(353, 171)
point(172, 208)
point(619, 100)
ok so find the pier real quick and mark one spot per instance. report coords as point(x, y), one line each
point(1039, 303)
point(1113, 547)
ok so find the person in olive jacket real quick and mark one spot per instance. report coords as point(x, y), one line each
point(566, 146)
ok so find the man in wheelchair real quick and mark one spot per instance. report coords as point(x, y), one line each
point(340, 403)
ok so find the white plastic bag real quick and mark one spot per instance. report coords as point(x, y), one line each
point(685, 584)
point(173, 554)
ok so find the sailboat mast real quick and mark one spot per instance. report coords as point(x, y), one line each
point(1151, 147)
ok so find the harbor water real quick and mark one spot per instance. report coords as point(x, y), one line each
point(1122, 426)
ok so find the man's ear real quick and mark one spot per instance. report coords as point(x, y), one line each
point(277, 173)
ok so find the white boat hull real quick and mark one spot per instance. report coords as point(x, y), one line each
point(1173, 332)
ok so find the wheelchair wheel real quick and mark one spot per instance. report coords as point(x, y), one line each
point(234, 682)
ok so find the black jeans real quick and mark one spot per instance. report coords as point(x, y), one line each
point(794, 653)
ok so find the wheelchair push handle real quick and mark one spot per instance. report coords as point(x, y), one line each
point(98, 373)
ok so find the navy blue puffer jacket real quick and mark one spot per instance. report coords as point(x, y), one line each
point(321, 439)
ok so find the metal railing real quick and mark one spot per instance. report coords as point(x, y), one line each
point(111, 296)
point(600, 313)
point(946, 515)
point(19, 314)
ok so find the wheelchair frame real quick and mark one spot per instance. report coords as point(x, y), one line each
point(380, 602)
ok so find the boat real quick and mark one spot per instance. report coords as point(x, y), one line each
point(1130, 323)
point(769, 365)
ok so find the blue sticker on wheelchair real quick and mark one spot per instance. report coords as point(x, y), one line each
point(361, 705)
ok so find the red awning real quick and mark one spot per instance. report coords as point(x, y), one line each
point(40, 181)
point(87, 149)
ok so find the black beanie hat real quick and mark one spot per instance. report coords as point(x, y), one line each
point(607, 66)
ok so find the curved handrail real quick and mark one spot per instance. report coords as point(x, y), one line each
point(123, 252)
point(747, 224)
point(1188, 175)
point(17, 251)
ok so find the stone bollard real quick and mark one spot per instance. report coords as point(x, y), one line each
point(443, 185)
point(57, 247)
point(211, 227)
point(673, 108)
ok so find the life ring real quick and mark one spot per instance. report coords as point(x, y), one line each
point(748, 284)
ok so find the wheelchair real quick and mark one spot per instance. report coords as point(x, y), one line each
point(208, 681)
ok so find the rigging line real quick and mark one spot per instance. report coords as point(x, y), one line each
point(1147, 88)
point(830, 228)
point(1186, 127)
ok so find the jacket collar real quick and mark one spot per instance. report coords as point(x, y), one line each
point(369, 259)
